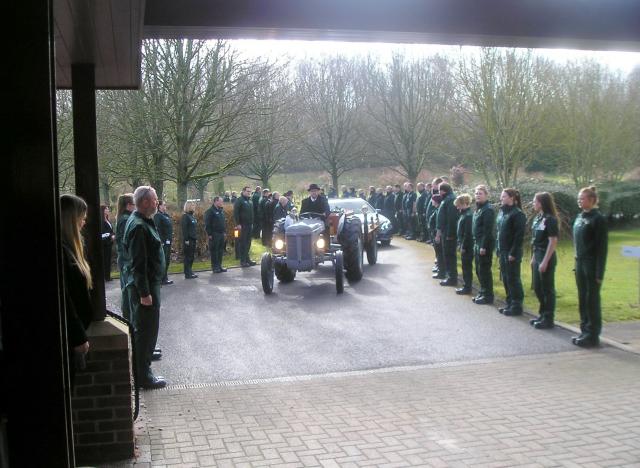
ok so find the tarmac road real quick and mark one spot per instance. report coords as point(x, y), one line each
point(222, 327)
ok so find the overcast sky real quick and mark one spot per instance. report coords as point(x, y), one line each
point(622, 61)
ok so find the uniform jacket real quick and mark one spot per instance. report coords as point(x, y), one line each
point(164, 224)
point(143, 246)
point(483, 227)
point(590, 239)
point(447, 218)
point(407, 202)
point(511, 226)
point(214, 221)
point(188, 224)
point(320, 206)
point(388, 207)
point(255, 200)
point(465, 235)
point(107, 232)
point(120, 225)
point(543, 227)
point(397, 200)
point(243, 211)
point(79, 310)
point(421, 203)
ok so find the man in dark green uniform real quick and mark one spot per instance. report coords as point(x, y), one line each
point(465, 241)
point(483, 229)
point(188, 225)
point(447, 224)
point(164, 223)
point(421, 212)
point(255, 201)
point(143, 272)
point(125, 208)
point(215, 225)
point(243, 218)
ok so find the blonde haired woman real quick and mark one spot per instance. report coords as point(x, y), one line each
point(77, 275)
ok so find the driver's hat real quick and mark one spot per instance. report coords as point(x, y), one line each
point(313, 187)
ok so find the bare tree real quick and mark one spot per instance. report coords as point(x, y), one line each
point(331, 109)
point(407, 103)
point(501, 105)
point(272, 130)
point(64, 124)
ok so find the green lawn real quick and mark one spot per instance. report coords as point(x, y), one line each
point(227, 261)
point(619, 290)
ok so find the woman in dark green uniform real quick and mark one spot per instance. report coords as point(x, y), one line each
point(544, 238)
point(125, 208)
point(511, 225)
point(590, 240)
point(465, 241)
point(482, 227)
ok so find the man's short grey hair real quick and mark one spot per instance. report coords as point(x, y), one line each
point(141, 193)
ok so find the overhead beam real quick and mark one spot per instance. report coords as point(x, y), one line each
point(583, 24)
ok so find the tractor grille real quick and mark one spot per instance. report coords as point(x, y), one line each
point(299, 248)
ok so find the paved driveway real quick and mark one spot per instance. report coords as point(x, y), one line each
point(222, 327)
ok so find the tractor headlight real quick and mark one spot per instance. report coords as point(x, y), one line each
point(320, 243)
point(279, 244)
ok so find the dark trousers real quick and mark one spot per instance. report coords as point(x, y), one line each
point(216, 249)
point(466, 259)
point(544, 285)
point(422, 228)
point(588, 297)
point(256, 228)
point(244, 243)
point(483, 272)
point(267, 234)
point(167, 260)
point(400, 222)
point(409, 224)
point(106, 260)
point(189, 251)
point(146, 323)
point(124, 298)
point(437, 248)
point(450, 255)
point(510, 274)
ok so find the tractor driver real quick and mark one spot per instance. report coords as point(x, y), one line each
point(317, 203)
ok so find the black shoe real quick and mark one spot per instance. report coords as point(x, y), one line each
point(503, 309)
point(484, 300)
point(438, 276)
point(166, 282)
point(586, 341)
point(154, 383)
point(533, 321)
point(543, 325)
point(512, 312)
point(244, 265)
point(156, 356)
point(410, 238)
point(252, 263)
point(191, 276)
point(449, 282)
point(463, 291)
point(434, 269)
point(219, 270)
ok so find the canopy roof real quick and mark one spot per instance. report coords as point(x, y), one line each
point(109, 32)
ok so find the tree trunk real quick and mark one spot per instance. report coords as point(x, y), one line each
point(200, 188)
point(265, 181)
point(159, 186)
point(334, 181)
point(104, 188)
point(181, 195)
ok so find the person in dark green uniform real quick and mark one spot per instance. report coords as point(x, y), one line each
point(409, 210)
point(216, 227)
point(188, 224)
point(447, 224)
point(482, 228)
point(143, 271)
point(255, 201)
point(438, 271)
point(421, 210)
point(125, 208)
point(465, 241)
point(511, 226)
point(544, 239)
point(590, 238)
point(164, 224)
point(243, 218)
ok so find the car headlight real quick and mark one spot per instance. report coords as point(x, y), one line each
point(320, 243)
point(279, 244)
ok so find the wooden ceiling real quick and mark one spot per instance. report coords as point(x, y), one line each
point(109, 32)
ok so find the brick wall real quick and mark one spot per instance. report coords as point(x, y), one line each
point(102, 403)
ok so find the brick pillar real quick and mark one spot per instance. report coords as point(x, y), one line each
point(103, 398)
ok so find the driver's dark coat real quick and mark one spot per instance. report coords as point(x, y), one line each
point(320, 206)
